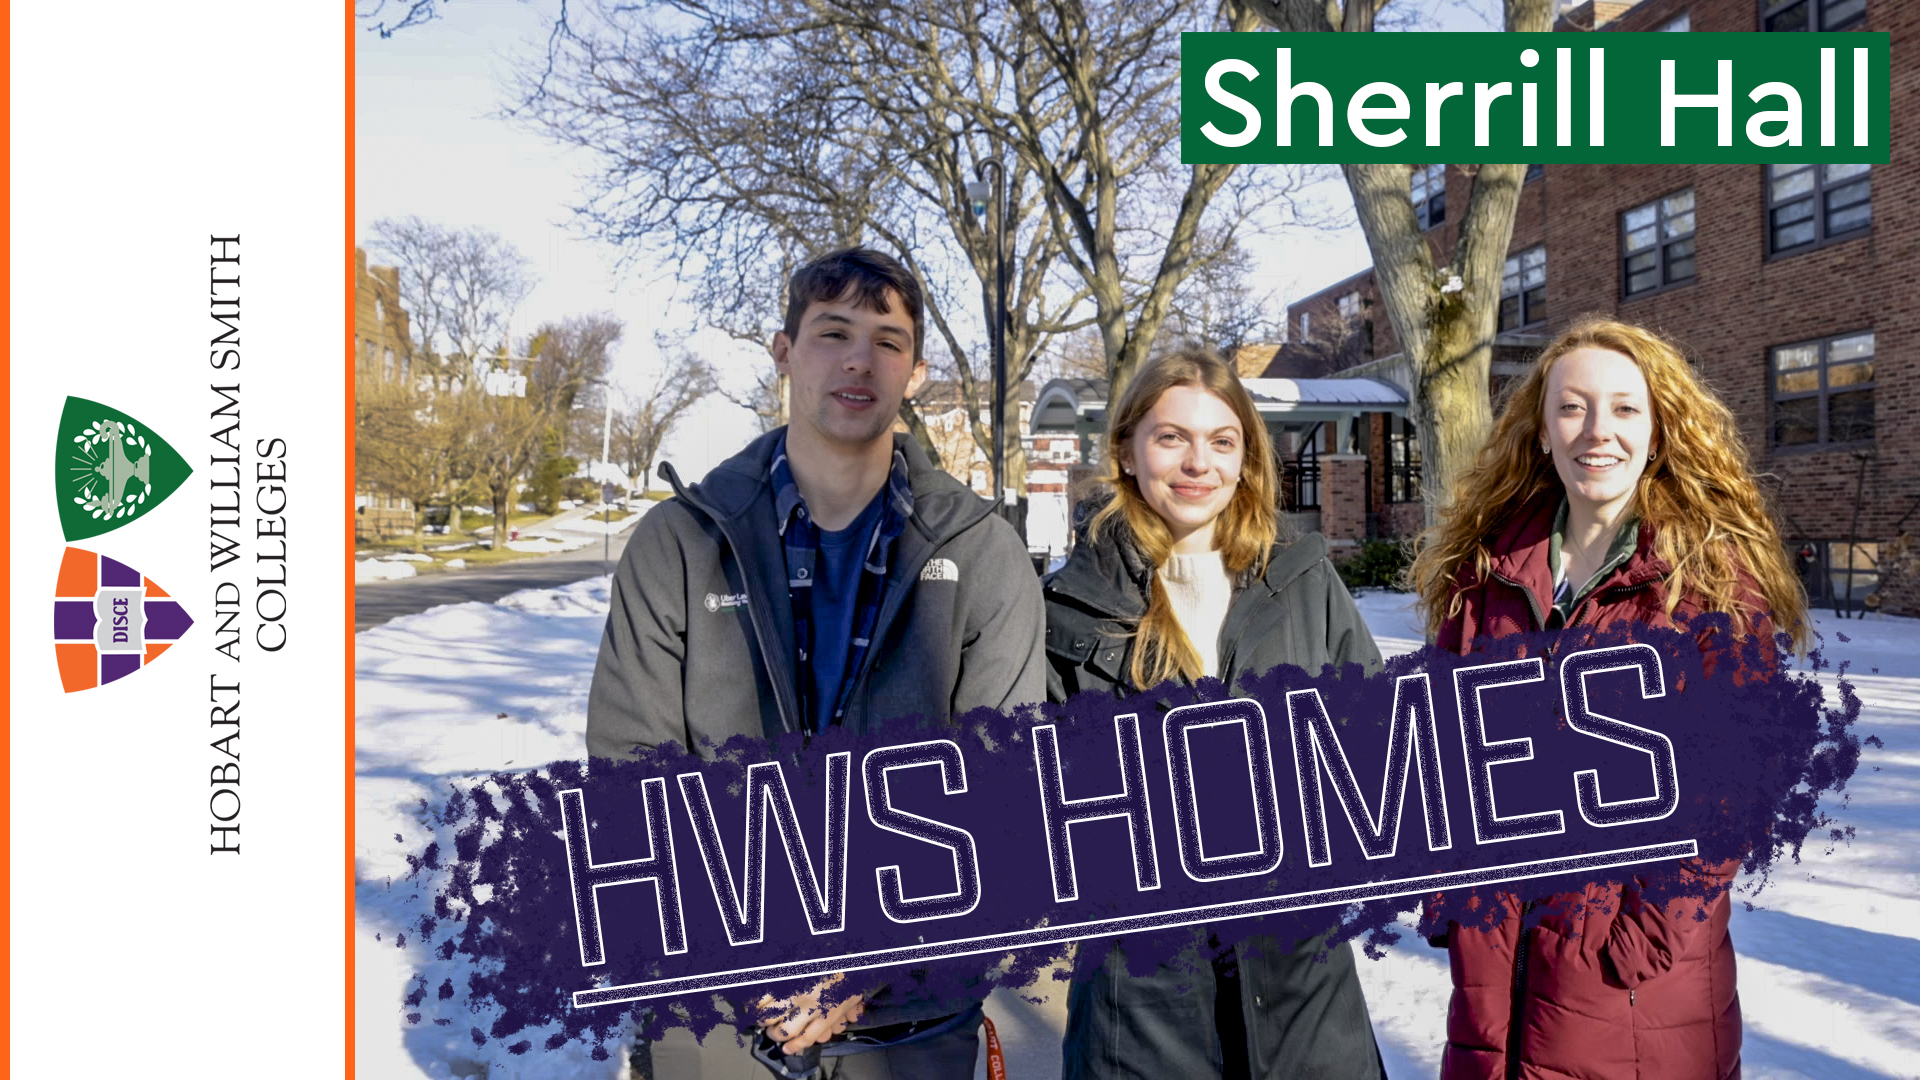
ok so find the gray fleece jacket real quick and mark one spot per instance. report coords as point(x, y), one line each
point(699, 645)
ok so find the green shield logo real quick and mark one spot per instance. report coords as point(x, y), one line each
point(109, 469)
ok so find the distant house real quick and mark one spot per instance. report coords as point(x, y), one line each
point(1319, 428)
point(942, 409)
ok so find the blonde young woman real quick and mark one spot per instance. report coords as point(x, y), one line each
point(1179, 573)
point(1613, 491)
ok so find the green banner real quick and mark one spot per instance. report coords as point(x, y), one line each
point(1597, 97)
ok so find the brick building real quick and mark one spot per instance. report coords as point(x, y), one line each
point(1795, 289)
point(382, 350)
point(382, 337)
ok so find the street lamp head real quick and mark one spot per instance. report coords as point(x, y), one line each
point(978, 193)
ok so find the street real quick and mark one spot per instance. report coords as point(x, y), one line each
point(376, 602)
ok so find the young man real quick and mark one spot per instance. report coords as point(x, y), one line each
point(827, 574)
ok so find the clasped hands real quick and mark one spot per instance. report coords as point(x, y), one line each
point(802, 1021)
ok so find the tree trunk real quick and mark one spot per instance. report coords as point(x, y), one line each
point(502, 513)
point(1444, 316)
point(918, 429)
point(1455, 412)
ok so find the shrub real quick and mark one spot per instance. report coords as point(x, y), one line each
point(1379, 564)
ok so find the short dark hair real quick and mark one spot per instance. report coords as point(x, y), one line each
point(862, 274)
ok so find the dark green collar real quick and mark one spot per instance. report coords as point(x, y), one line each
point(1626, 540)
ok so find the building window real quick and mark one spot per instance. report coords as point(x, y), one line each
point(1679, 24)
point(1656, 243)
point(1350, 306)
point(1838, 574)
point(1807, 204)
point(1306, 472)
point(1523, 289)
point(1823, 391)
point(1821, 15)
point(1403, 461)
point(1306, 324)
point(1430, 194)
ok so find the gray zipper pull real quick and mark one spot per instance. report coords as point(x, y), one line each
point(1630, 996)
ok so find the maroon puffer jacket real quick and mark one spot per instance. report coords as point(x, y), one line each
point(1604, 986)
point(1518, 591)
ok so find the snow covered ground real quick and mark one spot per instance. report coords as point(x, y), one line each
point(1829, 959)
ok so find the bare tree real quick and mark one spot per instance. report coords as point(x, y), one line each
point(1219, 309)
point(766, 397)
point(399, 447)
point(462, 286)
point(881, 115)
point(1445, 316)
point(500, 436)
point(569, 356)
point(643, 423)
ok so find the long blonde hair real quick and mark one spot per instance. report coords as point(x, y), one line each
point(1710, 519)
point(1244, 533)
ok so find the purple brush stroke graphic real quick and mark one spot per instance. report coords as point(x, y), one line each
point(1755, 748)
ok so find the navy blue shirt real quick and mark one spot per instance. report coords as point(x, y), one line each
point(836, 591)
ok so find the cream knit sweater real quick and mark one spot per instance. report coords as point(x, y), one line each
point(1199, 590)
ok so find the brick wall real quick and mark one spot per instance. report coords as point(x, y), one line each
point(382, 342)
point(1742, 302)
point(1343, 502)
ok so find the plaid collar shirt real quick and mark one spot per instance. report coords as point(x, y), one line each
point(800, 543)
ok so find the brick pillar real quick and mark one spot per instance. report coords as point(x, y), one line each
point(1343, 502)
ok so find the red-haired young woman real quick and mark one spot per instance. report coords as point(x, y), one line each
point(1614, 490)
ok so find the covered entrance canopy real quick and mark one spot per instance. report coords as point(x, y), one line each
point(1079, 406)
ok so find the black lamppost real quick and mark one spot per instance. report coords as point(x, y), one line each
point(989, 205)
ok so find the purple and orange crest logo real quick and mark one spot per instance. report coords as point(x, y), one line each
point(108, 620)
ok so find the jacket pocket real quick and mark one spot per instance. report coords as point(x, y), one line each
point(1072, 643)
point(1083, 642)
point(1108, 659)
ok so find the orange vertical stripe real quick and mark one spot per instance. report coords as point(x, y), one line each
point(6, 553)
point(346, 557)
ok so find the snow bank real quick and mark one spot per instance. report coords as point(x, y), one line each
point(547, 542)
point(594, 526)
point(452, 694)
point(381, 570)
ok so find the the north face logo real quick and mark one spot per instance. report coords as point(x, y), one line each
point(940, 570)
point(109, 469)
point(108, 621)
